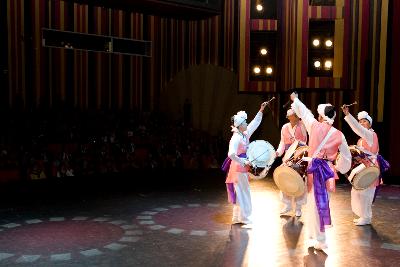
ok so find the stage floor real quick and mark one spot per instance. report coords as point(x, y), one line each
point(188, 226)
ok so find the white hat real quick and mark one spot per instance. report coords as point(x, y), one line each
point(239, 118)
point(364, 115)
point(289, 112)
point(321, 111)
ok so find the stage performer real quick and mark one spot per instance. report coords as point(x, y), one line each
point(292, 131)
point(361, 200)
point(236, 164)
point(324, 143)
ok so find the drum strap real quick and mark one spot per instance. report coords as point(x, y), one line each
point(321, 145)
point(369, 153)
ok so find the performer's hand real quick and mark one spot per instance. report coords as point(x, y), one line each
point(293, 96)
point(345, 109)
point(247, 165)
point(276, 154)
point(262, 107)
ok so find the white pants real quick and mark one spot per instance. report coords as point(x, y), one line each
point(299, 201)
point(361, 202)
point(242, 208)
point(312, 220)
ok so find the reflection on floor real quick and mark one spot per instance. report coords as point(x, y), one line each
point(188, 226)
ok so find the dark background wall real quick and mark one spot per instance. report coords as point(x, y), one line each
point(193, 59)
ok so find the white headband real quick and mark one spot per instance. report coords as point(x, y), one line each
point(321, 111)
point(239, 118)
point(289, 112)
point(364, 115)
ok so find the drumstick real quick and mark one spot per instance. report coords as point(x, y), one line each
point(349, 105)
point(267, 102)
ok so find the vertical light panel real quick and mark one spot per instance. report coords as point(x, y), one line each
point(382, 62)
point(299, 42)
point(242, 40)
point(338, 48)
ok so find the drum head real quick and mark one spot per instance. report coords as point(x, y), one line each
point(365, 178)
point(290, 151)
point(261, 154)
point(289, 181)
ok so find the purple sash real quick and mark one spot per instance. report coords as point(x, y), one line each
point(383, 167)
point(321, 173)
point(230, 188)
point(227, 162)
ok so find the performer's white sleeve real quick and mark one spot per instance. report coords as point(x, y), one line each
point(304, 132)
point(303, 113)
point(281, 147)
point(233, 147)
point(359, 129)
point(344, 162)
point(253, 125)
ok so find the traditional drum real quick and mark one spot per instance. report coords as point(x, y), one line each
point(261, 154)
point(290, 151)
point(289, 177)
point(363, 171)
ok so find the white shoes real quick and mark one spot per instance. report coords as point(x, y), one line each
point(247, 226)
point(362, 221)
point(298, 213)
point(235, 221)
point(285, 210)
point(320, 246)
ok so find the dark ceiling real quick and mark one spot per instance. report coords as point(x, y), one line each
point(184, 9)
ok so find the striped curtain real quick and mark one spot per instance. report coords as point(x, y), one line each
point(89, 80)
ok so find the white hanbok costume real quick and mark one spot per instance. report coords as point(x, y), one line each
point(237, 174)
point(289, 135)
point(361, 200)
point(324, 143)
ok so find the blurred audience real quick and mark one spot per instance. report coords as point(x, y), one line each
point(42, 144)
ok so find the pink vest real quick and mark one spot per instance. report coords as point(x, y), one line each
point(375, 145)
point(235, 166)
point(329, 151)
point(298, 133)
point(373, 149)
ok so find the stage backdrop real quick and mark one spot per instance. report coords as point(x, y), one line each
point(41, 76)
point(47, 77)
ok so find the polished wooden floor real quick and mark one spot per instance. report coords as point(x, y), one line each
point(185, 222)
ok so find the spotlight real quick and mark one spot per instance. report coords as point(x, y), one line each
point(256, 70)
point(263, 51)
point(328, 43)
point(315, 42)
point(268, 70)
point(317, 64)
point(328, 64)
point(259, 7)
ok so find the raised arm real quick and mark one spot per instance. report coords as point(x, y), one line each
point(343, 164)
point(303, 112)
point(359, 129)
point(253, 125)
